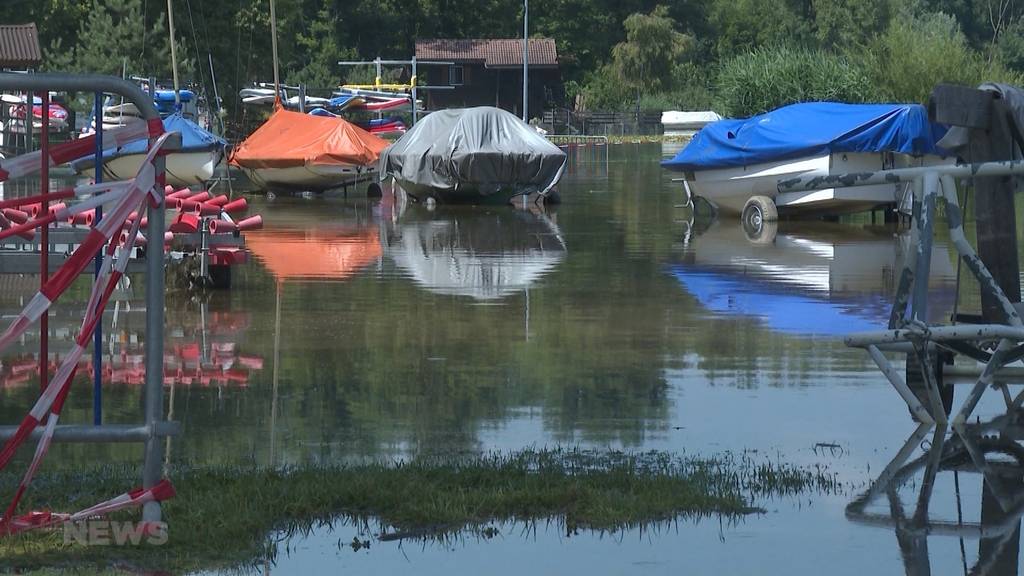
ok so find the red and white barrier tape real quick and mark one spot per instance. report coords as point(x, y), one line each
point(163, 490)
point(142, 190)
point(26, 164)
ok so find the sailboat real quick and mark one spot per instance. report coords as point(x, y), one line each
point(194, 164)
point(292, 150)
point(201, 151)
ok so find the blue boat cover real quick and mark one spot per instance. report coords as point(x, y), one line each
point(168, 95)
point(193, 138)
point(164, 100)
point(810, 129)
point(322, 112)
point(342, 102)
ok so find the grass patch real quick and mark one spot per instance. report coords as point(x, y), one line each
point(223, 515)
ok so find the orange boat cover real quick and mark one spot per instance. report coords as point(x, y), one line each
point(290, 139)
point(315, 254)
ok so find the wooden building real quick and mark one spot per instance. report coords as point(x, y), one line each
point(489, 72)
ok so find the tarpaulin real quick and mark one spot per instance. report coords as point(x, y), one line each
point(478, 146)
point(193, 137)
point(810, 129)
point(288, 139)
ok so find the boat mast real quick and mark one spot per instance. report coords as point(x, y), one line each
point(174, 57)
point(273, 44)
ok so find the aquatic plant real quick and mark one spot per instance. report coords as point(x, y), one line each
point(222, 515)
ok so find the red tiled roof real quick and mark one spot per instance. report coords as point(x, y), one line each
point(19, 46)
point(493, 53)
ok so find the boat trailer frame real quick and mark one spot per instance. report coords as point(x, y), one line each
point(908, 329)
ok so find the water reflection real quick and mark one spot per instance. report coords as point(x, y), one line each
point(481, 254)
point(202, 347)
point(962, 486)
point(315, 253)
point(811, 279)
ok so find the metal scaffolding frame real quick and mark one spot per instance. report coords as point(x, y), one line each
point(908, 330)
point(154, 429)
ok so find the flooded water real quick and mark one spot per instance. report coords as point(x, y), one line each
point(368, 329)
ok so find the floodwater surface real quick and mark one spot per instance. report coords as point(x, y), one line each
point(367, 328)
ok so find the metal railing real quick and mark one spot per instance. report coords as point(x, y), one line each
point(575, 142)
point(154, 428)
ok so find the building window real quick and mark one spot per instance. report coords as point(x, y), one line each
point(456, 75)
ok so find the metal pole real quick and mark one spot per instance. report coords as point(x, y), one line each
point(413, 81)
point(526, 58)
point(273, 45)
point(274, 379)
point(302, 98)
point(44, 248)
point(97, 337)
point(216, 95)
point(154, 394)
point(174, 54)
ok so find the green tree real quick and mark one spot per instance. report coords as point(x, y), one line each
point(917, 52)
point(1010, 47)
point(114, 38)
point(653, 47)
point(848, 25)
point(744, 25)
point(318, 53)
point(771, 77)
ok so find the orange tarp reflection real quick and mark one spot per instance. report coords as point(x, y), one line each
point(325, 254)
point(290, 139)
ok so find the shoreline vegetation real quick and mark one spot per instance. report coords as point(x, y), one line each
point(570, 139)
point(223, 517)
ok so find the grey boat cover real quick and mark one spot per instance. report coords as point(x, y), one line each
point(482, 146)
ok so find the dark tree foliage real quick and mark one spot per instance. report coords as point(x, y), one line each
point(598, 60)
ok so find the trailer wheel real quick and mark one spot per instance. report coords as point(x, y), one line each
point(374, 190)
point(759, 216)
point(763, 235)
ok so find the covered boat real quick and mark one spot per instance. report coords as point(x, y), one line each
point(473, 155)
point(200, 153)
point(736, 164)
point(305, 152)
point(18, 110)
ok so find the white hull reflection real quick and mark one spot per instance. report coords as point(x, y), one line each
point(484, 255)
point(815, 278)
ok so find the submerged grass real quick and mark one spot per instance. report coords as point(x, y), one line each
point(223, 515)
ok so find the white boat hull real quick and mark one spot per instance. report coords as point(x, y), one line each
point(730, 188)
point(183, 168)
point(681, 123)
point(310, 176)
